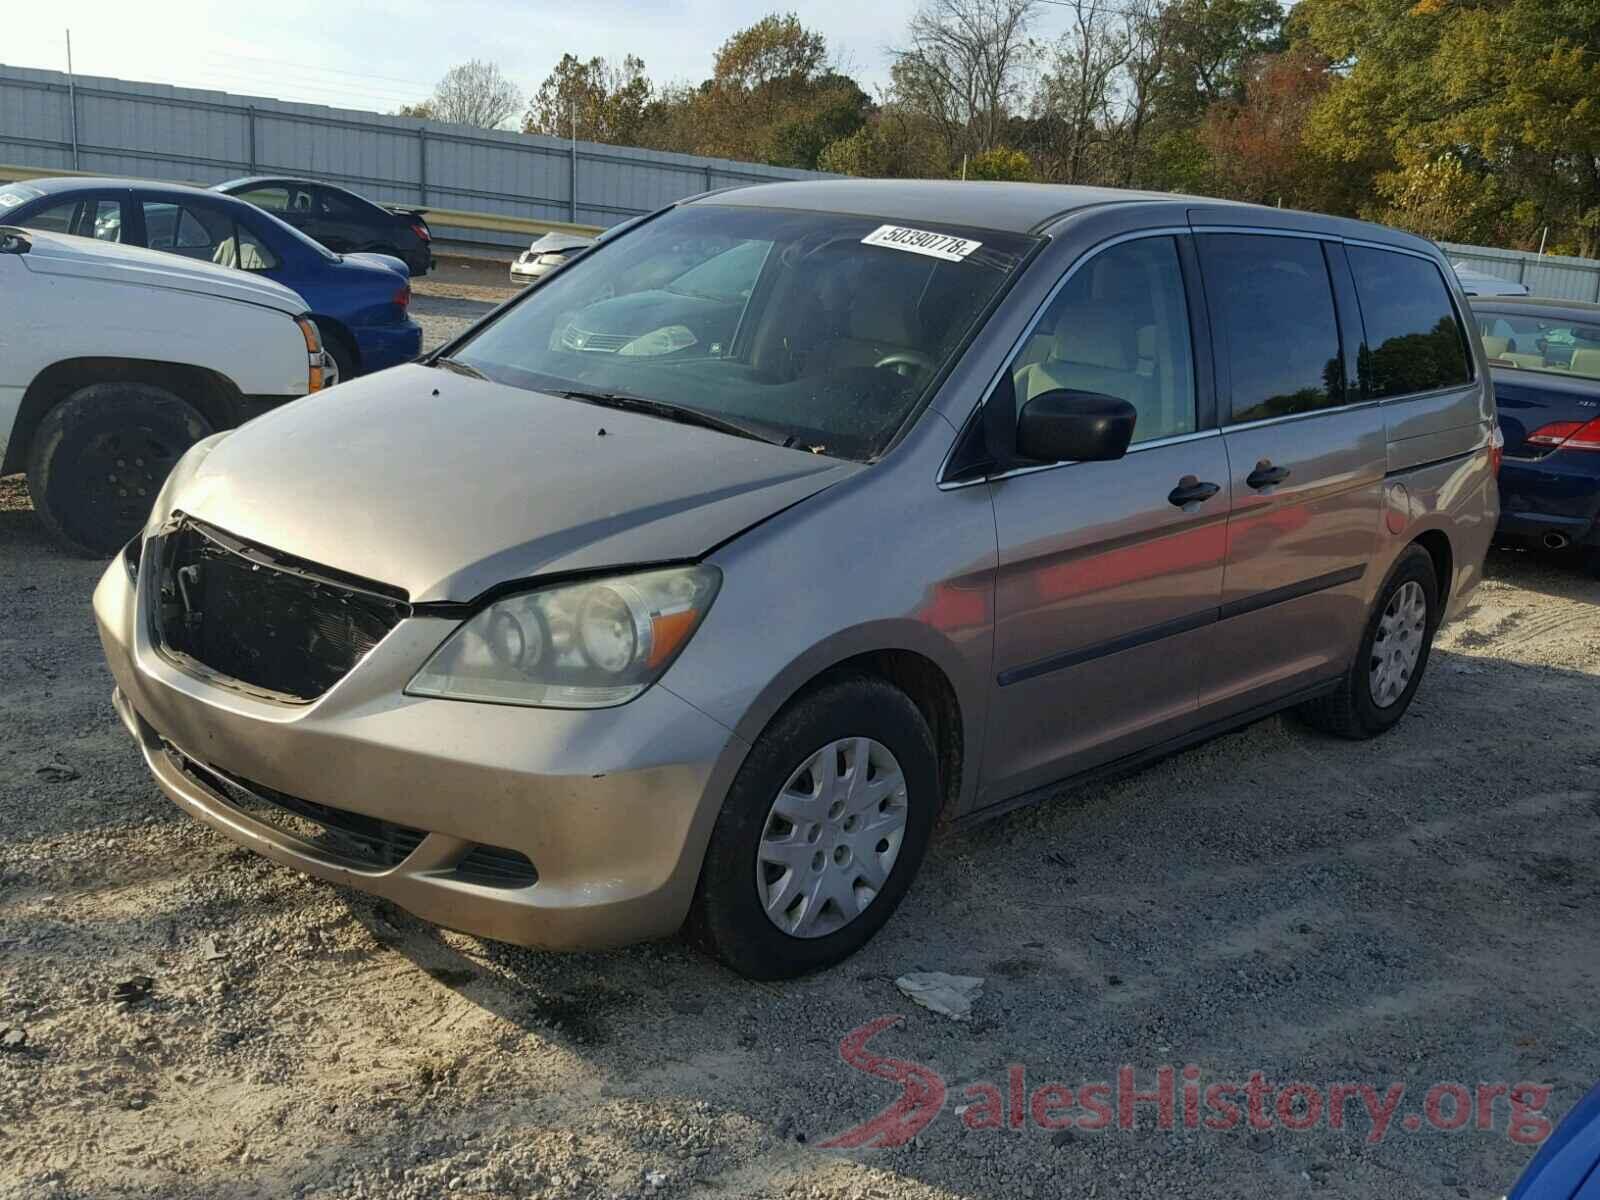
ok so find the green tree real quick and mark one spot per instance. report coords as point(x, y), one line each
point(609, 101)
point(772, 97)
point(894, 144)
point(1001, 163)
point(1501, 99)
point(1210, 47)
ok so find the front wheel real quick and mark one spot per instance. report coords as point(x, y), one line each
point(821, 833)
point(1378, 688)
point(99, 457)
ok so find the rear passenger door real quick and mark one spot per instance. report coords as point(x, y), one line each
point(1307, 461)
point(202, 231)
point(1109, 572)
point(341, 225)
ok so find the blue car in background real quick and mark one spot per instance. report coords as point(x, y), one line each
point(1567, 1166)
point(1545, 358)
point(359, 301)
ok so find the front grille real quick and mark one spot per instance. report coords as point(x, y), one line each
point(594, 343)
point(495, 866)
point(264, 620)
point(354, 839)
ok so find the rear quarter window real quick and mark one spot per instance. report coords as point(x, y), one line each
point(1414, 342)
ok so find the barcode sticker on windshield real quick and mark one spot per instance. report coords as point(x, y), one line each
point(921, 241)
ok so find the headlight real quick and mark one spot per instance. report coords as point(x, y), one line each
point(313, 339)
point(668, 340)
point(593, 644)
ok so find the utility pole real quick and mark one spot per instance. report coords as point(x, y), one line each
point(573, 208)
point(72, 100)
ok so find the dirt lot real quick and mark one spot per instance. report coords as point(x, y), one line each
point(1414, 910)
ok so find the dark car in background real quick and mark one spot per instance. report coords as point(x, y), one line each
point(1545, 358)
point(340, 219)
point(360, 302)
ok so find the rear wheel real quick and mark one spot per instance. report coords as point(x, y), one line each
point(100, 456)
point(821, 832)
point(1378, 688)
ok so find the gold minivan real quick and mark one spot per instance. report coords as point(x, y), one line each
point(699, 581)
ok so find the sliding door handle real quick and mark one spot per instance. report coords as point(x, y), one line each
point(1265, 475)
point(1191, 491)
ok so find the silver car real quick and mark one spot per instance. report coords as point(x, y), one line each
point(545, 254)
point(697, 586)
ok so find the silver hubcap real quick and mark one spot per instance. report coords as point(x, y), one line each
point(831, 838)
point(1399, 643)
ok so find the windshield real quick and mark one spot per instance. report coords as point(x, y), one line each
point(816, 330)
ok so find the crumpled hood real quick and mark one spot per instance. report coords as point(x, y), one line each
point(446, 486)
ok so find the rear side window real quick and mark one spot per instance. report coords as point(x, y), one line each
point(1414, 340)
point(341, 207)
point(253, 254)
point(1540, 343)
point(274, 198)
point(192, 230)
point(1277, 331)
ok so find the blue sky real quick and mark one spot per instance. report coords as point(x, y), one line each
point(379, 55)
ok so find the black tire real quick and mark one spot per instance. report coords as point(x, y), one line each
point(1351, 711)
point(99, 458)
point(727, 918)
point(344, 356)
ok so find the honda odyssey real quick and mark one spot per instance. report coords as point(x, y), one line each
point(701, 582)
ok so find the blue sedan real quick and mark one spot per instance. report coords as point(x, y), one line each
point(359, 301)
point(1567, 1166)
point(1545, 358)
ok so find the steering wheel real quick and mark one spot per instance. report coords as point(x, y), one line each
point(904, 358)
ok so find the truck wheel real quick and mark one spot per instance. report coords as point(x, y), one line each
point(99, 458)
point(821, 833)
point(343, 357)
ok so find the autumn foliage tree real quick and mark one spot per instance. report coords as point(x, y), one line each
point(1257, 143)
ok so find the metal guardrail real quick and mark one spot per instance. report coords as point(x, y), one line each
point(118, 127)
point(448, 219)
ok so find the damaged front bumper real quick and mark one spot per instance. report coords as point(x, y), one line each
point(553, 828)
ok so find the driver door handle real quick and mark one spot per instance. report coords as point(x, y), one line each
point(1265, 475)
point(1192, 491)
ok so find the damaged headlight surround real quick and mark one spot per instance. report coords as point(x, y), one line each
point(596, 643)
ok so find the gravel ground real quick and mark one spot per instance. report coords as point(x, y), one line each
point(1416, 909)
point(446, 310)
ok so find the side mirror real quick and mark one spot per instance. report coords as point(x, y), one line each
point(1071, 426)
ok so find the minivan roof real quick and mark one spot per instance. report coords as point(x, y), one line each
point(1009, 207)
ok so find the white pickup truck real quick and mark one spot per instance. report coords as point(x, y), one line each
point(115, 359)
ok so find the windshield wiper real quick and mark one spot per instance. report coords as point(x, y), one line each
point(661, 408)
point(460, 368)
